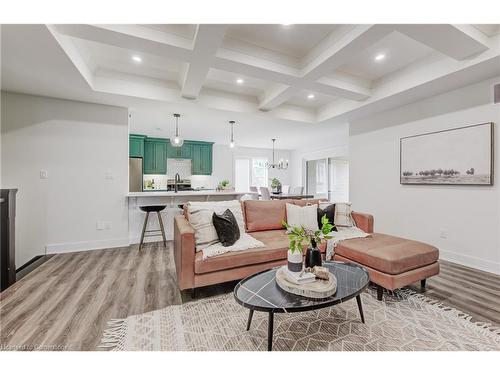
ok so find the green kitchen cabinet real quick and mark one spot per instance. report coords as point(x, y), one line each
point(183, 152)
point(136, 146)
point(201, 156)
point(155, 155)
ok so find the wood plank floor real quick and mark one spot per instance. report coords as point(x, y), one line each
point(65, 303)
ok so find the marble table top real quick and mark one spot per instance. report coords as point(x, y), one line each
point(260, 291)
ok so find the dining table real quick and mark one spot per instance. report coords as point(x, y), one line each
point(291, 196)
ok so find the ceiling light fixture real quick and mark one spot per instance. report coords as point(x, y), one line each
point(240, 81)
point(137, 59)
point(281, 164)
point(310, 96)
point(232, 143)
point(176, 141)
point(379, 57)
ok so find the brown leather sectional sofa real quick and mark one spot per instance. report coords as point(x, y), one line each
point(392, 262)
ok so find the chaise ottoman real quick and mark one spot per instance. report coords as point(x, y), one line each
point(392, 262)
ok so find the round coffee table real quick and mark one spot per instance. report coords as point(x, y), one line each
point(260, 292)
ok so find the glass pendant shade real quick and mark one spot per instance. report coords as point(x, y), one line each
point(176, 140)
point(232, 143)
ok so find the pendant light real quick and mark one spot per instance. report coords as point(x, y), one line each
point(232, 143)
point(281, 164)
point(176, 141)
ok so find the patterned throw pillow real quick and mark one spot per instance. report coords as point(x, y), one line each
point(343, 216)
point(200, 218)
point(227, 228)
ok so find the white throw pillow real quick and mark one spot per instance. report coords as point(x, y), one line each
point(200, 218)
point(343, 217)
point(306, 216)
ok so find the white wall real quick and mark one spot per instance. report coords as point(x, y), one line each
point(334, 145)
point(470, 215)
point(83, 147)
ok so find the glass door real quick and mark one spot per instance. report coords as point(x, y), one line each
point(317, 178)
point(328, 179)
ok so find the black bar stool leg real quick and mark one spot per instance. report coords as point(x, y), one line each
point(162, 229)
point(144, 229)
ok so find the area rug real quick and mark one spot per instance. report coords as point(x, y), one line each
point(405, 320)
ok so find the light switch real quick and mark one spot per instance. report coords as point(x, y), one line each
point(44, 175)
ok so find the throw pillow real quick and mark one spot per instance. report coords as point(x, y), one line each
point(200, 218)
point(343, 216)
point(306, 216)
point(227, 228)
point(327, 209)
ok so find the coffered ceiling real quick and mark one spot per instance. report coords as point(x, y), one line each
point(310, 73)
point(259, 74)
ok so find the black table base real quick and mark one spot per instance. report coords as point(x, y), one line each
point(270, 326)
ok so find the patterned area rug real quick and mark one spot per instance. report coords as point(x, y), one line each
point(403, 321)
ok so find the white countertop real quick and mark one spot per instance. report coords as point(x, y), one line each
point(202, 193)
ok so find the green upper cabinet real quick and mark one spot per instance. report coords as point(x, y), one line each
point(201, 155)
point(136, 146)
point(155, 152)
point(183, 152)
point(155, 156)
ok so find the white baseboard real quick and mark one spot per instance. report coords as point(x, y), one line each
point(469, 261)
point(85, 245)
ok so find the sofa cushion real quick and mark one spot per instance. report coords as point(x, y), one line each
point(264, 215)
point(305, 202)
point(388, 254)
point(276, 248)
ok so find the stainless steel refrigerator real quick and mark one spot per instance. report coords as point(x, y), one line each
point(135, 174)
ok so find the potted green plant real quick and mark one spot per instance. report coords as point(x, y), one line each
point(275, 184)
point(223, 185)
point(300, 235)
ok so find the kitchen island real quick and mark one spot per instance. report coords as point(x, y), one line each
point(172, 200)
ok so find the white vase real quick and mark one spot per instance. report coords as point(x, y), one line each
point(295, 261)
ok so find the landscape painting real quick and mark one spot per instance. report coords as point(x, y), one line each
point(461, 156)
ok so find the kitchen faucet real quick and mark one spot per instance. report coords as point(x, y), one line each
point(176, 181)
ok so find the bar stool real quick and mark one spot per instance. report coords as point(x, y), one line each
point(148, 210)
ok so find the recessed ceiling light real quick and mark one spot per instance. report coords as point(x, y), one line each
point(310, 96)
point(240, 81)
point(379, 57)
point(137, 59)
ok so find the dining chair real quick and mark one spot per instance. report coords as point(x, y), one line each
point(264, 194)
point(297, 190)
point(285, 189)
point(255, 192)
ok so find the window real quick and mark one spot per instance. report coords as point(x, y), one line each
point(259, 172)
point(250, 172)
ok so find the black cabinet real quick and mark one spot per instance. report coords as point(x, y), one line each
point(7, 237)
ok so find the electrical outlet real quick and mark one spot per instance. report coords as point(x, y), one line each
point(44, 175)
point(443, 233)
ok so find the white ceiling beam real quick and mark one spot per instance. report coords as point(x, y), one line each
point(456, 41)
point(338, 53)
point(136, 38)
point(207, 41)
